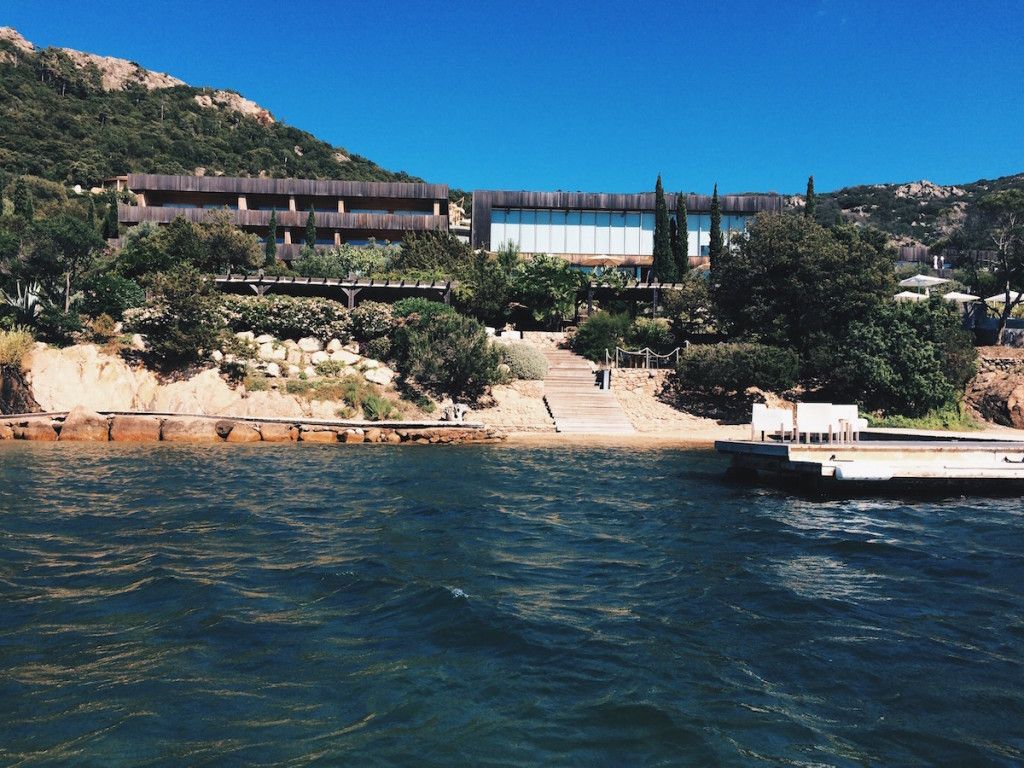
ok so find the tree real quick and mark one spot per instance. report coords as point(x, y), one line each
point(809, 202)
point(681, 244)
point(111, 226)
point(1002, 213)
point(447, 354)
point(270, 246)
point(91, 217)
point(23, 201)
point(664, 266)
point(311, 229)
point(225, 246)
point(548, 287)
point(715, 246)
point(61, 249)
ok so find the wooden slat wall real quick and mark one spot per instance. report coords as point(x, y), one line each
point(146, 182)
point(133, 214)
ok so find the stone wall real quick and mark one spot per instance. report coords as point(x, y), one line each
point(649, 381)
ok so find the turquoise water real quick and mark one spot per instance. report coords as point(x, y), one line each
point(490, 606)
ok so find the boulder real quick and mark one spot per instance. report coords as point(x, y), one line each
point(373, 435)
point(293, 370)
point(216, 355)
point(137, 342)
point(351, 347)
point(393, 438)
point(319, 357)
point(352, 436)
point(334, 345)
point(318, 435)
point(224, 427)
point(345, 356)
point(294, 356)
point(245, 336)
point(309, 371)
point(206, 392)
point(369, 364)
point(36, 429)
point(135, 429)
point(309, 344)
point(85, 426)
point(264, 338)
point(274, 432)
point(244, 433)
point(185, 430)
point(273, 370)
point(382, 375)
point(6, 432)
point(84, 375)
point(270, 351)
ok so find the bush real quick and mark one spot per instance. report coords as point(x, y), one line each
point(14, 345)
point(601, 331)
point(330, 368)
point(256, 382)
point(424, 309)
point(449, 355)
point(525, 361)
point(181, 322)
point(340, 261)
point(655, 333)
point(111, 295)
point(378, 349)
point(377, 408)
point(734, 367)
point(371, 320)
point(56, 326)
point(288, 317)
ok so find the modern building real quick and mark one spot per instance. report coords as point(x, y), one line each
point(345, 211)
point(598, 229)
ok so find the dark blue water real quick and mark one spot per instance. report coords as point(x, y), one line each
point(371, 605)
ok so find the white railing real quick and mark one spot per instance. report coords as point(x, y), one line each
point(641, 358)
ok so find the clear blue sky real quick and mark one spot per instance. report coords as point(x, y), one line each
point(599, 95)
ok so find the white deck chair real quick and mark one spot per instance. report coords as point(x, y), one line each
point(816, 419)
point(850, 421)
point(770, 421)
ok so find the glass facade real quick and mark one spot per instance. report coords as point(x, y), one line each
point(612, 233)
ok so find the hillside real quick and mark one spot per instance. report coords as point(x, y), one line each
point(77, 118)
point(915, 212)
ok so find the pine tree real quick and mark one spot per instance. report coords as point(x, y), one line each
point(715, 248)
point(681, 246)
point(311, 229)
point(23, 201)
point(810, 202)
point(664, 267)
point(111, 228)
point(270, 247)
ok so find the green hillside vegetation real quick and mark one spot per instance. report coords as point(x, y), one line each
point(59, 124)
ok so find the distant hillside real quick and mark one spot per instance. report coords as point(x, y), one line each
point(77, 118)
point(916, 212)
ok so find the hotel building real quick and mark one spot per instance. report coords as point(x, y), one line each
point(345, 211)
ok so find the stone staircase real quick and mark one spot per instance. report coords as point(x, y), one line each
point(574, 400)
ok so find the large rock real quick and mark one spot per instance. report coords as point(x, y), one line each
point(6, 432)
point(244, 433)
point(310, 344)
point(204, 393)
point(245, 336)
point(184, 430)
point(998, 397)
point(274, 432)
point(382, 375)
point(135, 429)
point(334, 345)
point(15, 394)
point(294, 356)
point(318, 435)
point(270, 351)
point(85, 426)
point(264, 338)
point(83, 375)
point(319, 357)
point(345, 356)
point(36, 429)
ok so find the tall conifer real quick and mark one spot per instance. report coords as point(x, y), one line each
point(810, 202)
point(111, 227)
point(664, 267)
point(270, 246)
point(715, 247)
point(681, 247)
point(311, 229)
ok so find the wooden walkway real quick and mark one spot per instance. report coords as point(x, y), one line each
point(575, 402)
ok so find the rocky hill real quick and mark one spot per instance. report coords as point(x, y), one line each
point(917, 212)
point(77, 118)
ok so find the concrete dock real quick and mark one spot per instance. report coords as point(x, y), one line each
point(878, 465)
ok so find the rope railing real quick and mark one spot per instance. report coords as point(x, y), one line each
point(641, 358)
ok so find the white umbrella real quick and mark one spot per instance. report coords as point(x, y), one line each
point(910, 296)
point(1000, 298)
point(961, 298)
point(922, 281)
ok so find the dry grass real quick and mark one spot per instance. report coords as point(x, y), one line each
point(14, 345)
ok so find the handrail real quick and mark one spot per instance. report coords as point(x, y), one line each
point(647, 354)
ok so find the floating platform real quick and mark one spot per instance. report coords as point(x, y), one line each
point(881, 465)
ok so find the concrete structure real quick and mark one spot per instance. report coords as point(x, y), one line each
point(345, 211)
point(598, 229)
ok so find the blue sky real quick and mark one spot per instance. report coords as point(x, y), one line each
point(598, 95)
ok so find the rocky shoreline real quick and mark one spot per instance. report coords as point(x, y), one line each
point(83, 425)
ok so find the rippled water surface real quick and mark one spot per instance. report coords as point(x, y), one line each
point(371, 605)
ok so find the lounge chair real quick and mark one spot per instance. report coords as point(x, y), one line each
point(770, 421)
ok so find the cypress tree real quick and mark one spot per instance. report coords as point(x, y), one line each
point(311, 228)
point(111, 228)
point(23, 201)
point(810, 203)
point(716, 246)
point(664, 267)
point(270, 247)
point(681, 245)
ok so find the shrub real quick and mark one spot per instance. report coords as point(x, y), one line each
point(372, 319)
point(379, 348)
point(734, 367)
point(655, 333)
point(111, 295)
point(330, 368)
point(377, 408)
point(449, 355)
point(525, 361)
point(256, 382)
point(423, 309)
point(14, 345)
point(55, 325)
point(181, 321)
point(340, 261)
point(288, 317)
point(601, 331)
point(102, 329)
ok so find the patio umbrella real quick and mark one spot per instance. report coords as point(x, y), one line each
point(960, 298)
point(922, 281)
point(999, 298)
point(910, 296)
point(602, 261)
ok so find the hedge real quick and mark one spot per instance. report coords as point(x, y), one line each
point(288, 317)
point(735, 367)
